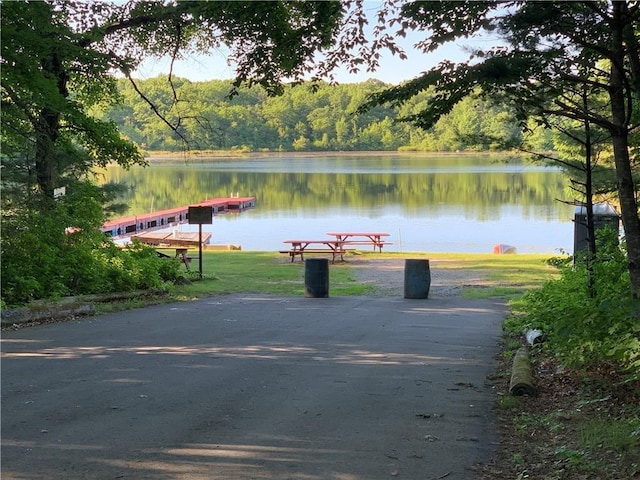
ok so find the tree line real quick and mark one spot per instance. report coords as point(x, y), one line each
point(321, 117)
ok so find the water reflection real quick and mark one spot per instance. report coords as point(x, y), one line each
point(426, 203)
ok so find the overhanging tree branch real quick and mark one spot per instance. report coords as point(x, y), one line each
point(172, 127)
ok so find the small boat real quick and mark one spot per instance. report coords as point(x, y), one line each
point(501, 249)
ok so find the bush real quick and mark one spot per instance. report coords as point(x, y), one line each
point(588, 315)
point(138, 266)
point(44, 259)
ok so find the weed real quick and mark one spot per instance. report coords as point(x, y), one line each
point(507, 402)
point(517, 459)
point(569, 455)
point(527, 422)
point(610, 434)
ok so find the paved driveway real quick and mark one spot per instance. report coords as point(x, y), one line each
point(254, 387)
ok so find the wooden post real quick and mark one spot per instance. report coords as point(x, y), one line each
point(200, 214)
point(200, 249)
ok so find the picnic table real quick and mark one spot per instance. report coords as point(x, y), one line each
point(182, 254)
point(300, 247)
point(362, 238)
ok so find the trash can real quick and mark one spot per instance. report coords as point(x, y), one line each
point(417, 278)
point(604, 215)
point(316, 278)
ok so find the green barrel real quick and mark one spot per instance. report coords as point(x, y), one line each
point(316, 278)
point(417, 278)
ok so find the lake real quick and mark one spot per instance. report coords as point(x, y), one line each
point(447, 203)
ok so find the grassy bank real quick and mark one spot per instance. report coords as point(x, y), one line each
point(226, 272)
point(231, 272)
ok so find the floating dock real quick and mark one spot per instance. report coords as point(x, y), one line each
point(178, 239)
point(134, 224)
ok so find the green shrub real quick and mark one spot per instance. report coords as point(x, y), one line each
point(138, 266)
point(588, 315)
point(42, 258)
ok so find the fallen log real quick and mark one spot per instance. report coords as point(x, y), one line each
point(522, 375)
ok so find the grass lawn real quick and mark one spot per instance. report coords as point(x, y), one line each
point(225, 272)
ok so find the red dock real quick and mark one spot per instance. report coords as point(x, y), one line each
point(177, 239)
point(127, 226)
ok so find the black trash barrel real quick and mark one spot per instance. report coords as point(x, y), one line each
point(417, 278)
point(316, 278)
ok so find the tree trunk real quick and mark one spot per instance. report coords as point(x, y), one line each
point(588, 191)
point(628, 209)
point(620, 139)
point(47, 130)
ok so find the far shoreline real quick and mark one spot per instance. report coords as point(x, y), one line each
point(160, 157)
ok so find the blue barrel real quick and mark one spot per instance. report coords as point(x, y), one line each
point(316, 278)
point(417, 278)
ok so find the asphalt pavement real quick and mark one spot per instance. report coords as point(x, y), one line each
point(255, 387)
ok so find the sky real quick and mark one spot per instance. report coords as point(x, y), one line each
point(392, 69)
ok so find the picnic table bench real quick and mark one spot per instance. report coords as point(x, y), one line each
point(300, 247)
point(362, 238)
point(181, 253)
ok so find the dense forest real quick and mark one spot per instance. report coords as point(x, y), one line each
point(303, 119)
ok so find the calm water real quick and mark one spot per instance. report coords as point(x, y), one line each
point(426, 203)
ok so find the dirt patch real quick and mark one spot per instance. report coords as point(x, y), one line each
point(386, 275)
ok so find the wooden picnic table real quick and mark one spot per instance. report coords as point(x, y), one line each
point(300, 247)
point(182, 254)
point(177, 239)
point(362, 238)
